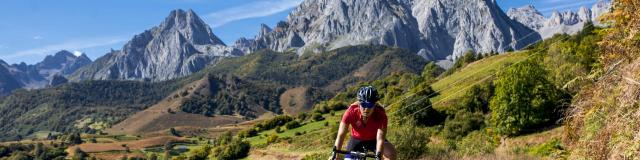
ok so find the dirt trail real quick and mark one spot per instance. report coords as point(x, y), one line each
point(272, 155)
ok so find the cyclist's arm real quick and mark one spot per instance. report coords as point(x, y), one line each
point(380, 139)
point(342, 131)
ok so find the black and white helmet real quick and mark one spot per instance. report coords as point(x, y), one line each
point(368, 94)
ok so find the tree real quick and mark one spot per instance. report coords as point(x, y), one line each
point(418, 109)
point(79, 154)
point(174, 132)
point(431, 71)
point(292, 125)
point(524, 99)
point(74, 138)
point(167, 150)
point(153, 156)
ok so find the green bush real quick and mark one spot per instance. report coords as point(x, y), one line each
point(524, 99)
point(272, 138)
point(410, 141)
point(418, 109)
point(273, 123)
point(317, 117)
point(246, 133)
point(462, 124)
point(476, 143)
point(237, 149)
point(550, 148)
point(292, 125)
point(476, 99)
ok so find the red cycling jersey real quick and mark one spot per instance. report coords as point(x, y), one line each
point(364, 131)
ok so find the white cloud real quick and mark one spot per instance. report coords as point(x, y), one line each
point(251, 10)
point(567, 6)
point(38, 37)
point(69, 45)
point(77, 53)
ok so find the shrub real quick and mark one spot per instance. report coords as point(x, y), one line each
point(272, 138)
point(246, 133)
point(477, 98)
point(418, 109)
point(79, 154)
point(550, 148)
point(317, 117)
point(410, 140)
point(523, 100)
point(463, 123)
point(292, 125)
point(236, 150)
point(174, 132)
point(74, 138)
point(476, 143)
point(303, 116)
point(153, 156)
point(273, 123)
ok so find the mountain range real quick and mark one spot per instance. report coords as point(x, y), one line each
point(41, 74)
point(435, 29)
point(569, 22)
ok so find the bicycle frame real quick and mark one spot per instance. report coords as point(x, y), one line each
point(357, 155)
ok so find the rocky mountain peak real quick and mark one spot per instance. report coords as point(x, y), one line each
point(584, 14)
point(189, 25)
point(264, 30)
point(560, 22)
point(527, 15)
point(58, 60)
point(601, 7)
point(182, 44)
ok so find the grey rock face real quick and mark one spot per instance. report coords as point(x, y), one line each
point(560, 22)
point(601, 7)
point(527, 15)
point(181, 45)
point(452, 27)
point(63, 63)
point(437, 29)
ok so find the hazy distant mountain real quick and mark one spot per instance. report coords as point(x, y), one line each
point(560, 22)
point(40, 74)
point(436, 29)
point(8, 83)
point(182, 44)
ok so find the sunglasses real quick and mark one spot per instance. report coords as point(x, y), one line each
point(367, 104)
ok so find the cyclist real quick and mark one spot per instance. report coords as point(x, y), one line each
point(369, 126)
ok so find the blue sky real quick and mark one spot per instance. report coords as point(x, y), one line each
point(32, 29)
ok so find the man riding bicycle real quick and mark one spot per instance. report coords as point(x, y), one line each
point(369, 126)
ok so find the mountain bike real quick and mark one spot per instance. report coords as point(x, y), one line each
point(356, 154)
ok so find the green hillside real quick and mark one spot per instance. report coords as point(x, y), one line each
point(466, 103)
point(239, 85)
point(452, 87)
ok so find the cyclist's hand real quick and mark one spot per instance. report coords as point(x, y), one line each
point(333, 156)
point(333, 153)
point(378, 156)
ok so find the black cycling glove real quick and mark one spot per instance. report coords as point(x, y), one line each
point(378, 155)
point(333, 153)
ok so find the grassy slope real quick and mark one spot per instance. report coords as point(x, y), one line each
point(318, 141)
point(455, 85)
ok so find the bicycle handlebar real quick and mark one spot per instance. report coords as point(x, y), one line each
point(358, 154)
